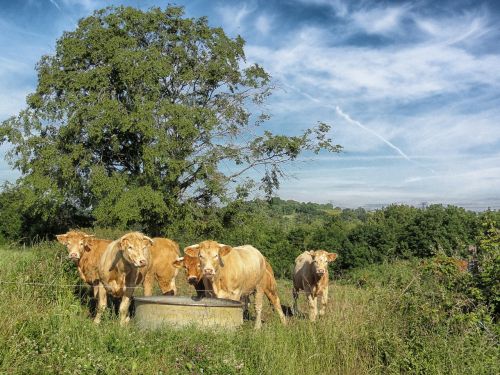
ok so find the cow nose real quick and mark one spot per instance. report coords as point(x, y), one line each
point(143, 262)
point(192, 279)
point(73, 256)
point(208, 271)
point(321, 272)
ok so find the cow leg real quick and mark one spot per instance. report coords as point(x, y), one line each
point(148, 284)
point(101, 303)
point(124, 306)
point(258, 307)
point(313, 307)
point(295, 295)
point(272, 296)
point(246, 302)
point(322, 301)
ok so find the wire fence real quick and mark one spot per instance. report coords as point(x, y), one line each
point(87, 286)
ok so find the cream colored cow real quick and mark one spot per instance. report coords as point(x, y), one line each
point(236, 272)
point(311, 276)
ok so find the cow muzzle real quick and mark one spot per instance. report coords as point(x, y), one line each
point(74, 256)
point(208, 272)
point(320, 272)
point(141, 263)
point(193, 280)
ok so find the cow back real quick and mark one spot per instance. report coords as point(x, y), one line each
point(90, 259)
point(243, 269)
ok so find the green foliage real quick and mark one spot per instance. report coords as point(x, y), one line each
point(487, 274)
point(438, 228)
point(139, 113)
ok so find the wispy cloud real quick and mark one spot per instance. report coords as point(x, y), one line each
point(233, 17)
point(380, 20)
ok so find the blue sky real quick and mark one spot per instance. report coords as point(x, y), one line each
point(412, 89)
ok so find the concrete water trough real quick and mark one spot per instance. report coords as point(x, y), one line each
point(156, 311)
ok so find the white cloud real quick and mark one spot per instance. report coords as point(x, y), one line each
point(468, 26)
point(263, 24)
point(380, 20)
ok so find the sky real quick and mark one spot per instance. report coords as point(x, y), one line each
point(410, 88)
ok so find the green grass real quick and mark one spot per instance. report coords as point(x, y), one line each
point(380, 320)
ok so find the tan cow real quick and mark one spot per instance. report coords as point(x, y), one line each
point(311, 275)
point(163, 252)
point(122, 268)
point(86, 252)
point(235, 273)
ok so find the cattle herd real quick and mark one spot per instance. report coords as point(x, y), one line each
point(215, 270)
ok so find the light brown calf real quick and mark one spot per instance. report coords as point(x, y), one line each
point(235, 273)
point(122, 268)
point(311, 276)
point(86, 252)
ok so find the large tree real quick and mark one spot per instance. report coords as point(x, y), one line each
point(140, 113)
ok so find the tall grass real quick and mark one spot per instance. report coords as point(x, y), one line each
point(379, 321)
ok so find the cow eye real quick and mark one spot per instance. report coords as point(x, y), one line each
point(201, 256)
point(216, 256)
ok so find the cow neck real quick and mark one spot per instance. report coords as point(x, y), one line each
point(216, 283)
point(315, 278)
point(116, 260)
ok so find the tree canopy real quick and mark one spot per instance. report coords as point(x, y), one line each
point(139, 114)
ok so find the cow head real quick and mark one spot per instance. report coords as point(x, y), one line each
point(192, 266)
point(76, 242)
point(320, 260)
point(210, 254)
point(135, 248)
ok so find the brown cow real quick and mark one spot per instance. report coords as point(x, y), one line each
point(193, 272)
point(235, 273)
point(163, 252)
point(311, 275)
point(86, 252)
point(122, 268)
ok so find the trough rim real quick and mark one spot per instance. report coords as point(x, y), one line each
point(156, 300)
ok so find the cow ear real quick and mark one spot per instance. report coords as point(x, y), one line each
point(61, 238)
point(86, 239)
point(150, 240)
point(123, 243)
point(224, 250)
point(311, 253)
point(192, 250)
point(331, 257)
point(179, 262)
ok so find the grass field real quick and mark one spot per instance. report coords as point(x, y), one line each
point(380, 320)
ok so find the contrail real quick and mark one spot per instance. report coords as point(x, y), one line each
point(55, 4)
point(390, 144)
point(348, 118)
